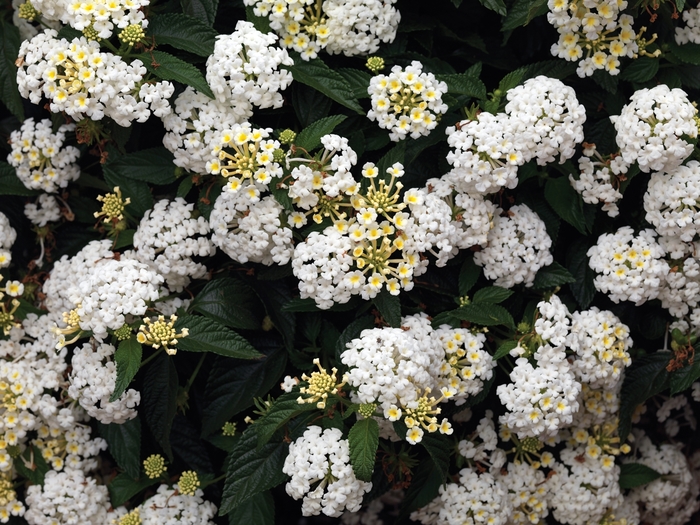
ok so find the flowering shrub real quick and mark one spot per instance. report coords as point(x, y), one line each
point(356, 262)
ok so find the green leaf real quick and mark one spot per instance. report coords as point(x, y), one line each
point(261, 23)
point(364, 440)
point(389, 307)
point(394, 155)
point(425, 485)
point(231, 302)
point(9, 95)
point(310, 137)
point(154, 165)
point(128, 360)
point(636, 474)
point(316, 74)
point(582, 288)
point(552, 276)
point(688, 53)
point(683, 378)
point(484, 314)
point(491, 294)
point(256, 510)
point(182, 32)
point(646, 377)
point(124, 443)
point(522, 12)
point(126, 238)
point(641, 69)
point(284, 408)
point(566, 202)
point(438, 446)
point(251, 470)
point(468, 275)
point(123, 488)
point(159, 400)
point(207, 335)
point(232, 385)
point(167, 67)
point(37, 469)
point(495, 5)
point(204, 10)
point(11, 185)
point(274, 296)
point(357, 80)
point(464, 84)
point(504, 349)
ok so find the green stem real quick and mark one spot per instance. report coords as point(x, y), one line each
point(194, 374)
point(109, 45)
point(150, 357)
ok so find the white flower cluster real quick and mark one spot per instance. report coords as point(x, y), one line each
point(585, 485)
point(113, 289)
point(407, 101)
point(44, 210)
point(194, 127)
point(355, 27)
point(543, 120)
point(322, 458)
point(67, 497)
point(629, 267)
point(7, 239)
point(167, 506)
point(691, 32)
point(83, 81)
point(477, 498)
point(244, 70)
point(548, 119)
point(247, 231)
point(39, 157)
point(528, 491)
point(654, 128)
point(542, 399)
point(466, 362)
point(168, 237)
point(599, 179)
point(101, 15)
point(663, 498)
point(600, 343)
point(246, 157)
point(681, 290)
point(594, 28)
point(672, 202)
point(518, 246)
point(92, 381)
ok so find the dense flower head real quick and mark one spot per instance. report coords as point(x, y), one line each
point(672, 202)
point(629, 267)
point(169, 237)
point(245, 156)
point(39, 157)
point(680, 291)
point(407, 101)
point(83, 81)
point(7, 238)
point(547, 119)
point(654, 129)
point(92, 381)
point(244, 70)
point(100, 15)
point(247, 231)
point(690, 33)
point(321, 458)
point(599, 178)
point(44, 210)
point(194, 126)
point(518, 246)
point(353, 28)
point(594, 32)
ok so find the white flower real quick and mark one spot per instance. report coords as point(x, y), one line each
point(7, 239)
point(691, 32)
point(599, 179)
point(43, 211)
point(651, 129)
point(323, 456)
point(407, 101)
point(518, 246)
point(39, 158)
